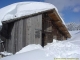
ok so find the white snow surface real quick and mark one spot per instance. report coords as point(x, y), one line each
point(23, 8)
point(30, 48)
point(6, 53)
point(57, 49)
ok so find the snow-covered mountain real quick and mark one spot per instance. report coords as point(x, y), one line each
point(73, 26)
point(57, 49)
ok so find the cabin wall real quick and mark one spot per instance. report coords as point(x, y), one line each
point(64, 38)
point(57, 34)
point(47, 30)
point(55, 31)
point(50, 30)
point(38, 29)
point(24, 32)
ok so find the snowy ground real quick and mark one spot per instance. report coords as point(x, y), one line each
point(57, 49)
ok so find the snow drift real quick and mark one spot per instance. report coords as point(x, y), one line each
point(60, 49)
point(30, 48)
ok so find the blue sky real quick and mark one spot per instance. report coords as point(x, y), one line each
point(68, 9)
point(7, 2)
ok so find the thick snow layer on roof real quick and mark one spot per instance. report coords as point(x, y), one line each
point(23, 8)
point(61, 49)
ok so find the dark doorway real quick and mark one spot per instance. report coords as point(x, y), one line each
point(43, 39)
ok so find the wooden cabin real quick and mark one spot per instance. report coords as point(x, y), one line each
point(39, 28)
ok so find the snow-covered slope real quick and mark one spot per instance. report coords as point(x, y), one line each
point(72, 26)
point(30, 48)
point(23, 8)
point(65, 49)
point(61, 49)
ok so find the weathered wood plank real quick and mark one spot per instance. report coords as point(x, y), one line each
point(16, 36)
point(11, 42)
point(24, 32)
point(38, 29)
point(20, 34)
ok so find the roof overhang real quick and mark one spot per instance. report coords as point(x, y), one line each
point(59, 23)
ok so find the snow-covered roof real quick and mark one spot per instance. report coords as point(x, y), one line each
point(23, 8)
point(19, 10)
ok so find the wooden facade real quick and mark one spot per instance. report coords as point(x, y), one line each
point(36, 29)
